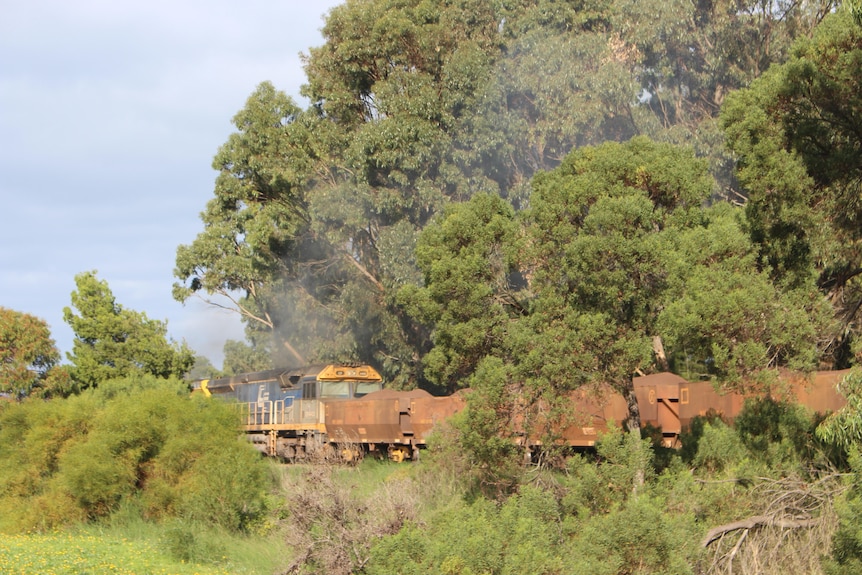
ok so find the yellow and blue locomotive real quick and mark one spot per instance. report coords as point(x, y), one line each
point(283, 411)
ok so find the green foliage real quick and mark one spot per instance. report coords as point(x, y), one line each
point(844, 427)
point(780, 434)
point(690, 436)
point(597, 485)
point(724, 315)
point(493, 540)
point(846, 551)
point(638, 539)
point(191, 542)
point(855, 9)
point(240, 357)
point(27, 353)
point(469, 292)
point(487, 429)
point(596, 227)
point(719, 448)
point(795, 131)
point(113, 342)
point(133, 440)
point(590, 520)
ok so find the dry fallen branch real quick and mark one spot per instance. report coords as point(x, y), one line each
point(755, 522)
point(789, 535)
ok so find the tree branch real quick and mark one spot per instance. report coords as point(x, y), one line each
point(756, 522)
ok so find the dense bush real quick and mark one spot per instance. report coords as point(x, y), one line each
point(136, 443)
point(846, 552)
point(616, 510)
point(780, 434)
point(479, 537)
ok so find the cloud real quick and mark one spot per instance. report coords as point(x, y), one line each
point(112, 113)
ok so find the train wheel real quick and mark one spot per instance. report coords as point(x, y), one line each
point(287, 452)
point(399, 453)
point(351, 454)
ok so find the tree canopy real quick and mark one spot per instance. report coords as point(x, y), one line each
point(27, 352)
point(416, 104)
point(796, 133)
point(112, 341)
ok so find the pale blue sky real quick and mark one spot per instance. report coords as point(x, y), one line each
point(110, 115)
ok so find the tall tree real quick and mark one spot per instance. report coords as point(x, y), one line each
point(27, 352)
point(256, 234)
point(597, 226)
point(112, 342)
point(796, 132)
point(415, 104)
point(472, 291)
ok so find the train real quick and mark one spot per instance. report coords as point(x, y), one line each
point(343, 410)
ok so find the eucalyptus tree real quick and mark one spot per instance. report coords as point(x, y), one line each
point(429, 103)
point(416, 104)
point(256, 235)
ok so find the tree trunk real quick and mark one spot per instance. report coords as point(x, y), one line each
point(660, 357)
point(633, 423)
point(634, 428)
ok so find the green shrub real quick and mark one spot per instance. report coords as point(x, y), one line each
point(486, 430)
point(129, 444)
point(691, 436)
point(779, 434)
point(225, 487)
point(622, 464)
point(522, 535)
point(846, 553)
point(637, 539)
point(191, 542)
point(719, 448)
point(95, 478)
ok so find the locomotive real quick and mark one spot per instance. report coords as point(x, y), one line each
point(343, 409)
point(283, 411)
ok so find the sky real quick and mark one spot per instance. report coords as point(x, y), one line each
point(110, 115)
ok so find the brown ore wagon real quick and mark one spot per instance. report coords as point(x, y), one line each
point(397, 422)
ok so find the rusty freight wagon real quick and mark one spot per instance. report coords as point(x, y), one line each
point(669, 402)
point(396, 423)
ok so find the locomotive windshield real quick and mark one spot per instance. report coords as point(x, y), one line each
point(366, 387)
point(342, 389)
point(334, 389)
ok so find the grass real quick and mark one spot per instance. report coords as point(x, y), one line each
point(117, 551)
point(124, 544)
